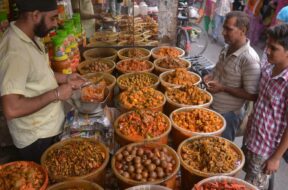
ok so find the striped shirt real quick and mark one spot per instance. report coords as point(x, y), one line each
point(240, 69)
point(269, 119)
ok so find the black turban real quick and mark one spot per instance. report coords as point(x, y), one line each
point(33, 5)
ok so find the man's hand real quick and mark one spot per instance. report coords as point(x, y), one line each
point(64, 91)
point(75, 80)
point(271, 165)
point(215, 86)
point(207, 78)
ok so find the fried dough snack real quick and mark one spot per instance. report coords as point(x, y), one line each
point(93, 93)
point(140, 99)
point(135, 53)
point(198, 120)
point(133, 65)
point(172, 63)
point(181, 77)
point(167, 51)
point(188, 95)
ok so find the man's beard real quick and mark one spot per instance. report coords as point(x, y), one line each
point(41, 29)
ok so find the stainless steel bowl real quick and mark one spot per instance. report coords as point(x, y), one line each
point(88, 107)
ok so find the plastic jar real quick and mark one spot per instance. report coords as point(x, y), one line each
point(62, 65)
point(70, 34)
point(58, 46)
point(75, 50)
point(63, 34)
point(69, 53)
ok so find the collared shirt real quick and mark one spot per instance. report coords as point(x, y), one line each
point(240, 69)
point(24, 70)
point(270, 116)
point(223, 7)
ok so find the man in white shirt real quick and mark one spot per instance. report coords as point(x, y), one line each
point(236, 75)
point(221, 9)
point(31, 92)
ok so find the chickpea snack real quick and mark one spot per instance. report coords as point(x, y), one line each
point(23, 175)
point(137, 80)
point(142, 163)
point(76, 158)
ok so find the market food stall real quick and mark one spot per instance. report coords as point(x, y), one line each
point(139, 102)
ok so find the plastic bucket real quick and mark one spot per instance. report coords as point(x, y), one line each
point(179, 134)
point(156, 49)
point(123, 140)
point(190, 176)
point(134, 75)
point(165, 85)
point(169, 181)
point(96, 53)
point(111, 64)
point(122, 53)
point(158, 70)
point(149, 187)
point(226, 179)
point(158, 108)
point(97, 176)
point(151, 67)
point(171, 106)
point(83, 184)
point(26, 164)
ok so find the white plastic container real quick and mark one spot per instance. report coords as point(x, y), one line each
point(143, 8)
point(136, 9)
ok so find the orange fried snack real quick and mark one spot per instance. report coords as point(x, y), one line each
point(198, 120)
point(92, 93)
point(188, 95)
point(141, 98)
point(181, 77)
point(168, 51)
point(133, 65)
